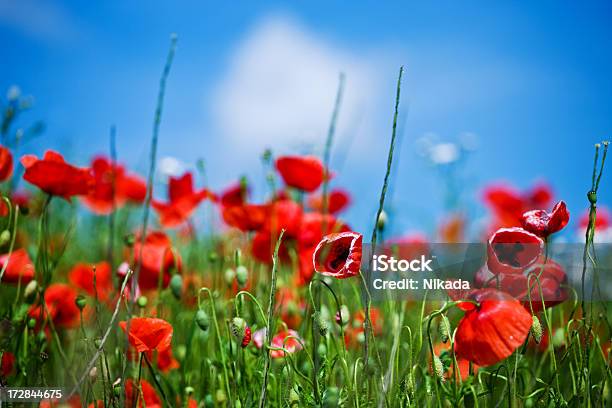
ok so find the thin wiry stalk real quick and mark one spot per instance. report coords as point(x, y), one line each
point(381, 204)
point(149, 192)
point(270, 326)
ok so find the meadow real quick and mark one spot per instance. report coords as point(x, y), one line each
point(134, 306)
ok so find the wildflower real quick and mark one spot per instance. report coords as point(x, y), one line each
point(60, 302)
point(82, 276)
point(337, 201)
point(286, 339)
point(113, 187)
point(508, 205)
point(338, 255)
point(512, 250)
point(245, 217)
point(56, 177)
point(543, 223)
point(7, 364)
point(241, 331)
point(202, 320)
point(235, 195)
point(182, 201)
point(155, 256)
point(18, 266)
point(148, 397)
point(6, 164)
point(148, 333)
point(301, 172)
point(492, 329)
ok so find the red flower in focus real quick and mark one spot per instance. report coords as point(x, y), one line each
point(302, 172)
point(7, 365)
point(553, 281)
point(6, 164)
point(60, 303)
point(338, 255)
point(148, 334)
point(491, 331)
point(338, 200)
point(82, 276)
point(543, 223)
point(182, 201)
point(56, 177)
point(148, 398)
point(508, 205)
point(157, 257)
point(512, 250)
point(287, 339)
point(108, 177)
point(19, 266)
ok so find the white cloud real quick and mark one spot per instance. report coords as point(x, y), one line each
point(280, 88)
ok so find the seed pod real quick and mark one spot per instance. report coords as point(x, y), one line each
point(238, 326)
point(202, 320)
point(31, 323)
point(93, 374)
point(189, 390)
point(536, 329)
point(142, 301)
point(229, 276)
point(320, 323)
point(176, 286)
point(242, 275)
point(80, 302)
point(438, 367)
point(444, 329)
point(382, 220)
point(5, 237)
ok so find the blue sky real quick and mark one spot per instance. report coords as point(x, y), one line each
point(531, 83)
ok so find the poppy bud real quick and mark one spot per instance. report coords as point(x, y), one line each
point(322, 350)
point(208, 401)
point(80, 302)
point(117, 390)
point(31, 322)
point(229, 276)
point(189, 390)
point(93, 374)
point(444, 329)
point(30, 290)
point(592, 196)
point(128, 240)
point(242, 275)
point(220, 396)
point(142, 301)
point(202, 320)
point(98, 343)
point(320, 323)
point(342, 316)
point(212, 257)
point(382, 220)
point(438, 367)
point(241, 331)
point(294, 398)
point(176, 286)
point(5, 237)
point(558, 338)
point(331, 397)
point(536, 329)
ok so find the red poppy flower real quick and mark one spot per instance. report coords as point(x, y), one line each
point(284, 214)
point(182, 201)
point(245, 217)
point(302, 172)
point(157, 257)
point(338, 255)
point(491, 331)
point(512, 250)
point(148, 397)
point(72, 402)
point(6, 164)
point(338, 200)
point(19, 266)
point(553, 281)
point(82, 276)
point(262, 247)
point(56, 177)
point(127, 188)
point(508, 204)
point(164, 358)
point(60, 303)
point(148, 334)
point(543, 223)
point(235, 195)
point(7, 365)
